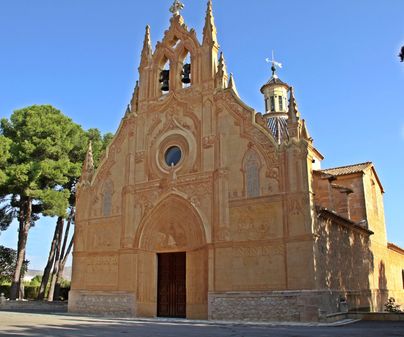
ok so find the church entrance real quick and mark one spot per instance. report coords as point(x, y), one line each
point(171, 285)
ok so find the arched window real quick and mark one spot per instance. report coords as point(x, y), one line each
point(107, 191)
point(272, 103)
point(186, 78)
point(164, 78)
point(251, 168)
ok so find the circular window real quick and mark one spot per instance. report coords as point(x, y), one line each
point(172, 155)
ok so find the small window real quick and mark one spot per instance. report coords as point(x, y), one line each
point(280, 103)
point(266, 105)
point(172, 155)
point(272, 103)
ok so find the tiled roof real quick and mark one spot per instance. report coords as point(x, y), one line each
point(394, 247)
point(278, 126)
point(349, 169)
point(274, 80)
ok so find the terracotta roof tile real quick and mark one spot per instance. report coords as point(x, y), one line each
point(342, 170)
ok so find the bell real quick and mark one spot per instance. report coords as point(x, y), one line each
point(164, 79)
point(186, 73)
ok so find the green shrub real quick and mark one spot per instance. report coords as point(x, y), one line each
point(391, 305)
point(5, 289)
point(64, 294)
point(31, 292)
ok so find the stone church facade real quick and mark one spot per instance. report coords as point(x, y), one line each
point(206, 209)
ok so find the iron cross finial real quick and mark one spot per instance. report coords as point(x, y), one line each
point(176, 7)
point(274, 64)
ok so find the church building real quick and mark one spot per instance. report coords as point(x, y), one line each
point(203, 208)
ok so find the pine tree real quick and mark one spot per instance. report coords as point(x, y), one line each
point(37, 141)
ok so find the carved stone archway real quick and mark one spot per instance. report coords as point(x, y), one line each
point(173, 225)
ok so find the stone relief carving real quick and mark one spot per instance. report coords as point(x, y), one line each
point(156, 120)
point(139, 156)
point(104, 171)
point(95, 204)
point(248, 129)
point(196, 188)
point(102, 270)
point(201, 189)
point(102, 236)
point(273, 175)
point(297, 216)
point(79, 240)
point(208, 141)
point(172, 237)
point(257, 251)
point(260, 120)
point(295, 207)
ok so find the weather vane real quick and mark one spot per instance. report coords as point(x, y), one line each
point(274, 64)
point(176, 7)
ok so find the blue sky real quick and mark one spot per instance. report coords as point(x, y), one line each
point(81, 56)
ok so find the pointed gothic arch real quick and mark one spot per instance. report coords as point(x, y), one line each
point(106, 193)
point(251, 168)
point(185, 59)
point(174, 224)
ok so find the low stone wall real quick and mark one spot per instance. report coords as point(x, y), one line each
point(111, 303)
point(34, 306)
point(303, 306)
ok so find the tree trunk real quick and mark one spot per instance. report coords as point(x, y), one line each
point(24, 218)
point(51, 259)
point(61, 221)
point(62, 268)
point(63, 255)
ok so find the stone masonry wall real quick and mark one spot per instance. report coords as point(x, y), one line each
point(305, 305)
point(109, 303)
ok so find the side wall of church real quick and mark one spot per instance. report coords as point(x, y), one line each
point(395, 272)
point(387, 277)
point(343, 263)
point(383, 267)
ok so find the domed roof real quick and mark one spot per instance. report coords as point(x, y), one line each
point(274, 81)
point(278, 126)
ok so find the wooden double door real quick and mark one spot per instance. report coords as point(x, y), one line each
point(171, 285)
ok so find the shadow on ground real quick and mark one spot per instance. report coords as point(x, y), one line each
point(36, 325)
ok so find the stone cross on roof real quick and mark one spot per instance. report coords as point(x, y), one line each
point(176, 7)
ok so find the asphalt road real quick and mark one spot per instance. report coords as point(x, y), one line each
point(41, 325)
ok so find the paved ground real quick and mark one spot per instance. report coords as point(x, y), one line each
point(42, 325)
